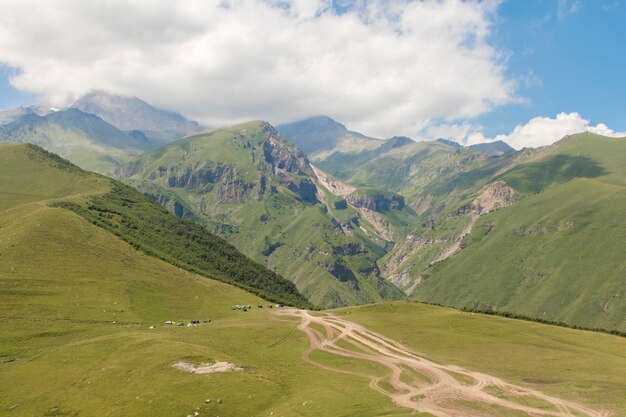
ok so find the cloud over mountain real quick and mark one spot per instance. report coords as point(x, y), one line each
point(383, 67)
point(541, 131)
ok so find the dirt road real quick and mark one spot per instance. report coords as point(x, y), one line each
point(422, 385)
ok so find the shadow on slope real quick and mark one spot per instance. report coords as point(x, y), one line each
point(535, 177)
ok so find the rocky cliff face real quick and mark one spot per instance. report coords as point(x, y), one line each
point(275, 159)
point(376, 202)
point(495, 196)
point(289, 164)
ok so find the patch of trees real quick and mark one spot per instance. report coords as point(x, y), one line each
point(153, 230)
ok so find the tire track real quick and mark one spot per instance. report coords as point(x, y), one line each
point(443, 395)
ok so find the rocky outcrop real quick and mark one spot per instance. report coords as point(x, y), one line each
point(173, 206)
point(378, 222)
point(413, 245)
point(376, 201)
point(197, 177)
point(282, 155)
point(495, 196)
point(289, 164)
point(335, 186)
point(303, 187)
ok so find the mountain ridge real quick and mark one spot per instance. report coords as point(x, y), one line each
point(258, 190)
point(131, 113)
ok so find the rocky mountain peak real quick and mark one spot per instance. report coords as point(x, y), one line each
point(132, 113)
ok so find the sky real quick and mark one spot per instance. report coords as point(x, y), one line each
point(524, 71)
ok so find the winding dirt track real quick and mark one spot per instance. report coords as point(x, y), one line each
point(425, 386)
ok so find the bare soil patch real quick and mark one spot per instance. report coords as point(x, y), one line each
point(206, 368)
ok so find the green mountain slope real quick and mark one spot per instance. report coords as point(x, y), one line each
point(135, 219)
point(85, 139)
point(430, 175)
point(497, 147)
point(257, 190)
point(77, 307)
point(557, 254)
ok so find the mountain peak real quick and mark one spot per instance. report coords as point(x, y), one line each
point(449, 142)
point(8, 116)
point(132, 113)
point(318, 133)
point(497, 147)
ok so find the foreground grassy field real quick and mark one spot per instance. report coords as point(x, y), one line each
point(76, 311)
point(581, 366)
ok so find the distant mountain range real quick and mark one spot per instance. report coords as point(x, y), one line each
point(84, 138)
point(319, 136)
point(98, 131)
point(352, 219)
point(132, 114)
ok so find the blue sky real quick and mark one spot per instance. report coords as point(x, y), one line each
point(573, 55)
point(11, 97)
point(538, 59)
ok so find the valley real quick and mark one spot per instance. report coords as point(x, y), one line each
point(358, 220)
point(85, 305)
point(319, 208)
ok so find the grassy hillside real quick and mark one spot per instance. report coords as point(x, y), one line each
point(132, 217)
point(573, 364)
point(557, 254)
point(259, 192)
point(77, 307)
point(153, 230)
point(25, 177)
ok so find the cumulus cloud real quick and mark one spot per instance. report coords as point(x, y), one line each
point(457, 132)
point(541, 131)
point(384, 67)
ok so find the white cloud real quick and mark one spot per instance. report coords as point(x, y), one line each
point(540, 131)
point(384, 67)
point(457, 132)
point(567, 7)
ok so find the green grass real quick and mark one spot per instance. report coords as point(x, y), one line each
point(69, 281)
point(77, 304)
point(572, 364)
point(555, 256)
point(18, 188)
